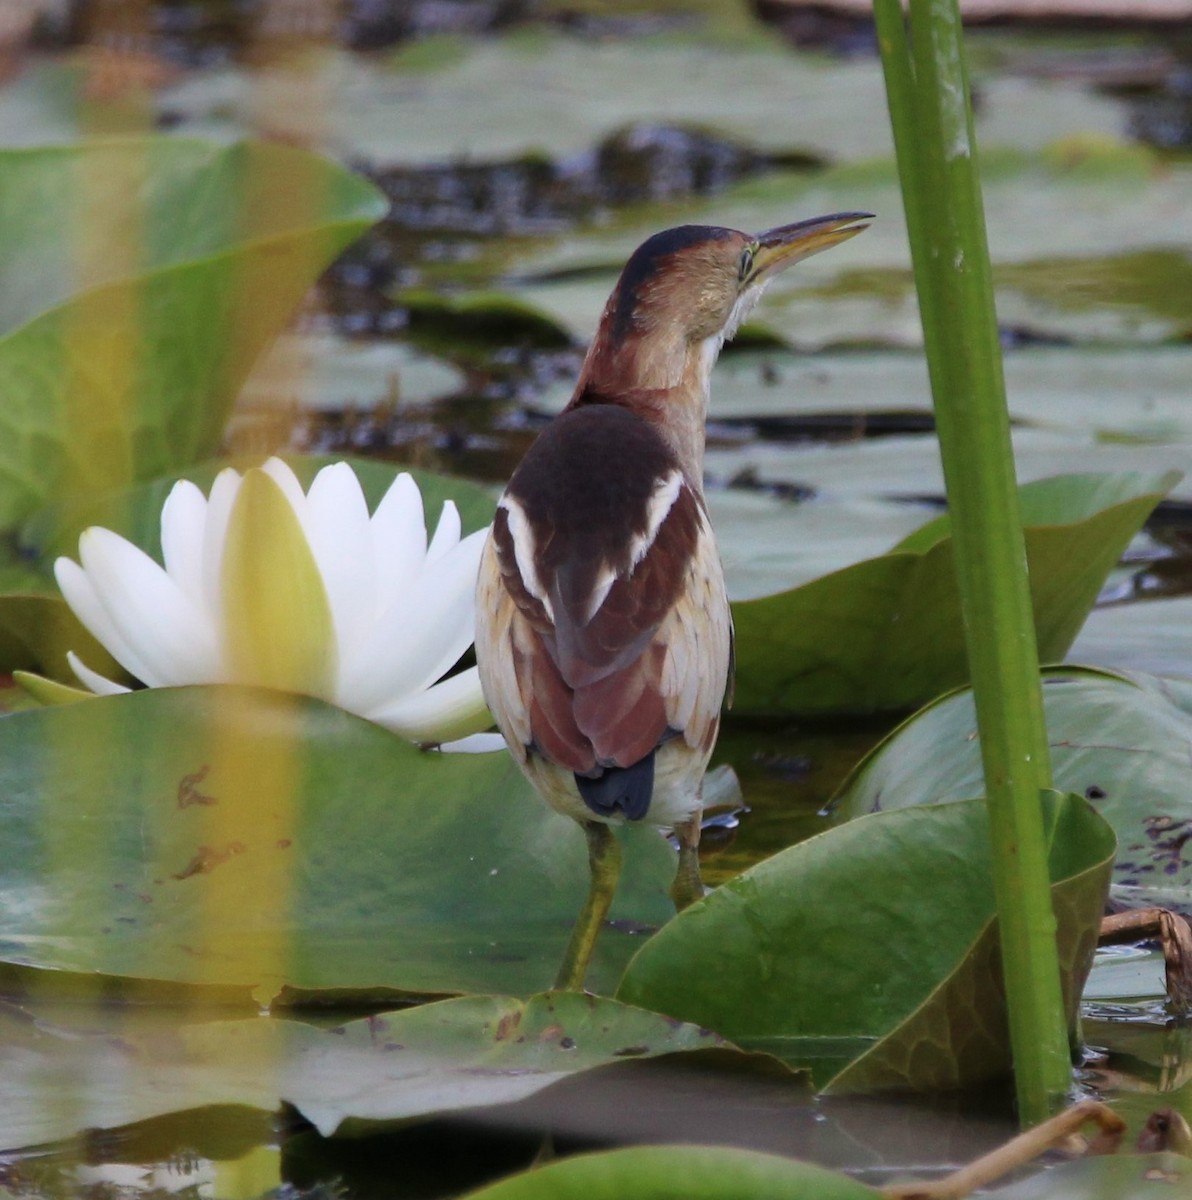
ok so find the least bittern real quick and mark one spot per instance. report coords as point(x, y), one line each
point(603, 632)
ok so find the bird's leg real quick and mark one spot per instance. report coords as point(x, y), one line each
point(687, 887)
point(604, 863)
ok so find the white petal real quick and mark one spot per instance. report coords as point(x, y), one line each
point(399, 539)
point(93, 680)
point(341, 542)
point(283, 475)
point(173, 638)
point(183, 521)
point(79, 592)
point(474, 743)
point(449, 710)
point(446, 532)
point(421, 635)
point(219, 512)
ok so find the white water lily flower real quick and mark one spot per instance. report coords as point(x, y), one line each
point(266, 585)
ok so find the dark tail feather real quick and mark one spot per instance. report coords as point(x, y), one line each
point(628, 789)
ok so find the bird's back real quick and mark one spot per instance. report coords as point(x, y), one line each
point(603, 631)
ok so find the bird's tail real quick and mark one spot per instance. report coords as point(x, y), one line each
point(627, 790)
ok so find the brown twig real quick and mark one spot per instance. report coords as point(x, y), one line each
point(1174, 936)
point(1021, 1150)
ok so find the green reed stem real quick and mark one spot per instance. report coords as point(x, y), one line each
point(931, 115)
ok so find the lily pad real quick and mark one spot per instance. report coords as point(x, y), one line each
point(436, 1058)
point(326, 373)
point(664, 1172)
point(140, 279)
point(887, 634)
point(769, 544)
point(908, 466)
point(892, 983)
point(253, 842)
point(1120, 741)
point(1123, 392)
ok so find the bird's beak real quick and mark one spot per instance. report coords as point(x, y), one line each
point(778, 248)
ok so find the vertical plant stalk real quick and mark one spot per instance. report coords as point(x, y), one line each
point(931, 115)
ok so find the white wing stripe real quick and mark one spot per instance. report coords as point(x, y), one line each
point(523, 551)
point(662, 500)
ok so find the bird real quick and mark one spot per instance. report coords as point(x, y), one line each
point(603, 630)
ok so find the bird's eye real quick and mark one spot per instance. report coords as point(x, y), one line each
point(746, 263)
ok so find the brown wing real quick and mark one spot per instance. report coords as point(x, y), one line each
point(605, 687)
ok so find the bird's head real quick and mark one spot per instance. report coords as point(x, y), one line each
point(685, 291)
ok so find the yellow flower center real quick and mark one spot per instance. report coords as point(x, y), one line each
point(277, 618)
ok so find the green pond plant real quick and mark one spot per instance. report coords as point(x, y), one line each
point(931, 114)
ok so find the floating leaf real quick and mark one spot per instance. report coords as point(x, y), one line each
point(417, 1062)
point(869, 953)
point(887, 634)
point(1121, 742)
point(666, 1172)
point(907, 466)
point(322, 372)
point(140, 279)
point(253, 841)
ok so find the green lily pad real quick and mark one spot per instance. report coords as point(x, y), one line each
point(1121, 742)
point(140, 278)
point(769, 544)
point(436, 1058)
point(665, 1172)
point(887, 634)
point(239, 841)
point(323, 372)
point(869, 953)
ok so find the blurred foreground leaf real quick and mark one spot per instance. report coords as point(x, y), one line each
point(139, 280)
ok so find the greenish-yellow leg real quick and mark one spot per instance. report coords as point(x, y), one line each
point(687, 887)
point(604, 862)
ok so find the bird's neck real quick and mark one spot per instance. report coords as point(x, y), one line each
point(666, 385)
